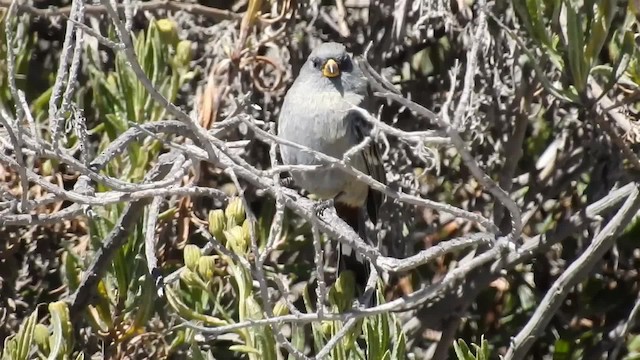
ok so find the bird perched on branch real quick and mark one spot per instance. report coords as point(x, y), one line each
point(318, 112)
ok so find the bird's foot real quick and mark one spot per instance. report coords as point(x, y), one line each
point(323, 205)
point(286, 181)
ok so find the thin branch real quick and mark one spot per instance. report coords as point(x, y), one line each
point(574, 274)
point(11, 126)
point(55, 116)
point(621, 335)
point(153, 5)
point(150, 243)
point(82, 296)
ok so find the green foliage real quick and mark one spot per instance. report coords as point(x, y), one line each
point(381, 334)
point(119, 98)
point(53, 342)
point(384, 337)
point(463, 352)
point(571, 35)
point(579, 41)
point(18, 347)
point(216, 290)
point(633, 346)
point(61, 341)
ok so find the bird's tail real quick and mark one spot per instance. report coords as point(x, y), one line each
point(349, 259)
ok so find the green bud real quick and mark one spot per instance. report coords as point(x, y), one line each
point(206, 267)
point(217, 222)
point(236, 239)
point(343, 291)
point(183, 53)
point(187, 276)
point(168, 30)
point(41, 337)
point(191, 256)
point(235, 212)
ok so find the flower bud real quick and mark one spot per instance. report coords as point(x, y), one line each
point(326, 328)
point(191, 255)
point(246, 231)
point(235, 212)
point(183, 53)
point(168, 30)
point(217, 222)
point(188, 277)
point(206, 267)
point(236, 239)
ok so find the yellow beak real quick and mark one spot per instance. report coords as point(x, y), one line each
point(330, 69)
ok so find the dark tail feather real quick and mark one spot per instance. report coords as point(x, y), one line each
point(348, 259)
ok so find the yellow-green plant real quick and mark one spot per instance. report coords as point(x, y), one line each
point(33, 338)
point(384, 336)
point(571, 35)
point(217, 290)
point(120, 99)
point(18, 346)
point(463, 352)
point(381, 334)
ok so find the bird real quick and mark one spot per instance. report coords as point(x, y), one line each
point(318, 113)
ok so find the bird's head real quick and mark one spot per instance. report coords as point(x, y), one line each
point(330, 65)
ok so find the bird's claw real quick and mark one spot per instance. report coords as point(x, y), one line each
point(322, 205)
point(287, 181)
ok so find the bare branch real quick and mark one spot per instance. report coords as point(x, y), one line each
point(574, 274)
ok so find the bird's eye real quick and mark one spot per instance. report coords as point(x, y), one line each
point(316, 63)
point(345, 63)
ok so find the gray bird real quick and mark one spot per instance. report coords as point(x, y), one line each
point(318, 113)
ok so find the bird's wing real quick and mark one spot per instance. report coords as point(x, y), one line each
point(371, 154)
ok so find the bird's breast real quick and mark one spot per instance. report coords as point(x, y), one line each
point(318, 121)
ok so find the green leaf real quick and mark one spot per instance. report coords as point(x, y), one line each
point(18, 346)
point(188, 313)
point(540, 74)
point(400, 345)
point(462, 350)
point(599, 29)
point(71, 270)
point(61, 337)
point(622, 61)
point(575, 47)
point(318, 335)
point(297, 338)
